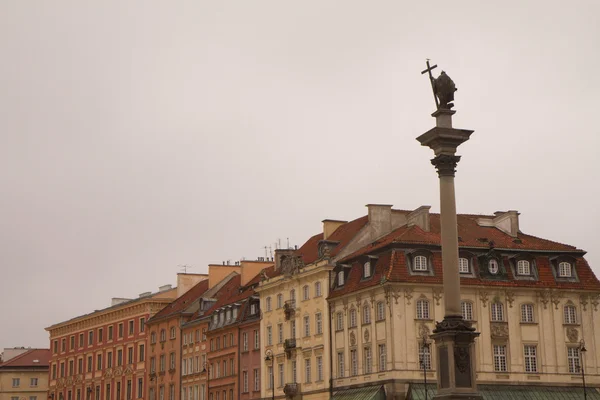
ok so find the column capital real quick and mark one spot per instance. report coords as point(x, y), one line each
point(445, 164)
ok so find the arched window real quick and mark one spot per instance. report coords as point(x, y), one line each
point(527, 313)
point(497, 310)
point(341, 278)
point(493, 267)
point(293, 298)
point(305, 292)
point(466, 307)
point(153, 337)
point(463, 265)
point(367, 269)
point(380, 311)
point(339, 326)
point(352, 318)
point(420, 263)
point(523, 267)
point(268, 305)
point(366, 314)
point(565, 270)
point(279, 300)
point(570, 314)
point(163, 335)
point(317, 289)
point(422, 309)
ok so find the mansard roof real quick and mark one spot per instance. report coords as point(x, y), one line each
point(181, 303)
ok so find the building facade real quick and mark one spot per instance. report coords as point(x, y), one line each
point(102, 355)
point(24, 374)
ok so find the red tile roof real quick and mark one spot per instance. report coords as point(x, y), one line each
point(31, 358)
point(181, 303)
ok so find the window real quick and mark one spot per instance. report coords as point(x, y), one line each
point(319, 323)
point(269, 377)
point(152, 364)
point(163, 335)
point(80, 366)
point(367, 270)
point(130, 355)
point(293, 298)
point(420, 263)
point(466, 308)
point(497, 310)
point(110, 332)
point(493, 267)
point(573, 360)
point(293, 328)
point(109, 359)
point(382, 357)
point(89, 364)
point(340, 361)
point(523, 267)
point(306, 326)
point(90, 338)
point(256, 340)
point(81, 340)
point(204, 334)
point(100, 335)
point(63, 345)
point(380, 311)
point(245, 382)
point(172, 361)
point(72, 342)
point(269, 336)
point(352, 318)
point(500, 358)
point(527, 313)
point(172, 332)
point(463, 265)
point(368, 360)
point(99, 362)
point(253, 309)
point(245, 341)
point(163, 362)
point(281, 375)
point(530, 353)
point(53, 371)
point(305, 293)
point(307, 371)
point(16, 382)
point(279, 333)
point(120, 330)
point(422, 309)
point(340, 278)
point(141, 352)
point(570, 314)
point(366, 314)
point(268, 304)
point(353, 363)
point(131, 327)
point(120, 357)
point(318, 289)
point(319, 368)
point(142, 324)
point(294, 373)
point(339, 321)
point(565, 270)
point(171, 392)
point(279, 300)
point(256, 380)
point(425, 356)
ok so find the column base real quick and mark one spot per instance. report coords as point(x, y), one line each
point(455, 344)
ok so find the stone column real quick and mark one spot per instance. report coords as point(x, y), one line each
point(454, 337)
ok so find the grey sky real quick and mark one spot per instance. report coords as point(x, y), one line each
point(139, 136)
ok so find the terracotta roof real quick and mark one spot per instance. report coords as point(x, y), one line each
point(31, 358)
point(182, 302)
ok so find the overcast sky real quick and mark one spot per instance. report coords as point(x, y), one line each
point(138, 136)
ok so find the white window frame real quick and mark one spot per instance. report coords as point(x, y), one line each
point(341, 278)
point(422, 306)
point(527, 313)
point(339, 321)
point(268, 303)
point(353, 362)
point(497, 312)
point(565, 269)
point(493, 267)
point(305, 292)
point(500, 358)
point(366, 314)
point(463, 265)
point(319, 323)
point(318, 289)
point(352, 317)
point(367, 270)
point(380, 311)
point(570, 314)
point(307, 370)
point(420, 263)
point(424, 356)
point(368, 353)
point(574, 359)
point(279, 300)
point(382, 354)
point(466, 308)
point(319, 368)
point(530, 358)
point(340, 362)
point(523, 268)
point(306, 325)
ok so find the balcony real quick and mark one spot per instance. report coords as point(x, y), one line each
point(289, 346)
point(291, 390)
point(289, 309)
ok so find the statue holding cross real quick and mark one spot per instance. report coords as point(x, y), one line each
point(443, 88)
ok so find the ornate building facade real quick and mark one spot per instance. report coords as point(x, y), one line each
point(102, 355)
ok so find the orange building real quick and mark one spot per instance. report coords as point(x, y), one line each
point(102, 355)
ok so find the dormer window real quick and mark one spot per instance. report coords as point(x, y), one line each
point(367, 270)
point(565, 270)
point(463, 265)
point(493, 267)
point(523, 268)
point(235, 312)
point(420, 263)
point(340, 278)
point(253, 309)
point(228, 315)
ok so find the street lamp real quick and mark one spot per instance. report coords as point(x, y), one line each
point(582, 351)
point(269, 357)
point(206, 370)
point(425, 345)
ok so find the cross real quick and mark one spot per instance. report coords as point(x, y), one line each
point(429, 69)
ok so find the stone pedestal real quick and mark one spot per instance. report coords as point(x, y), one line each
point(454, 337)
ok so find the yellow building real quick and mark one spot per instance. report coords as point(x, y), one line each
point(24, 374)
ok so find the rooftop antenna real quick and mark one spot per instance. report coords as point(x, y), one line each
point(185, 267)
point(278, 243)
point(271, 251)
point(266, 251)
point(288, 243)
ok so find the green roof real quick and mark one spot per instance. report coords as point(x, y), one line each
point(513, 392)
point(362, 393)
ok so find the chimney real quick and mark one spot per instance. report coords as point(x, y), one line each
point(118, 300)
point(187, 281)
point(506, 221)
point(217, 272)
point(380, 218)
point(420, 218)
point(252, 268)
point(145, 294)
point(164, 288)
point(329, 226)
point(281, 253)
